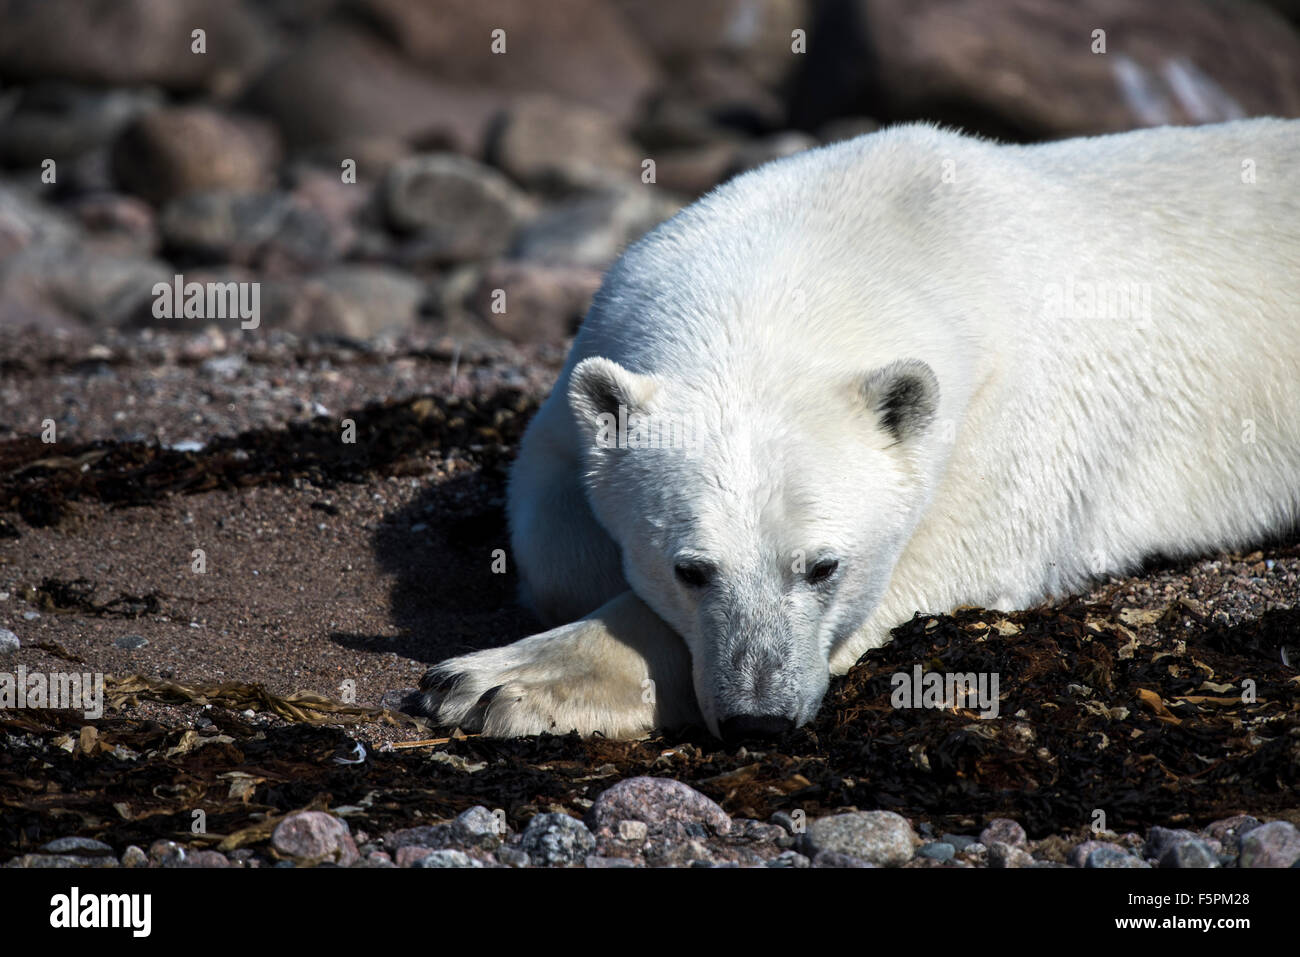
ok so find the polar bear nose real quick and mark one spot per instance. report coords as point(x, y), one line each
point(742, 726)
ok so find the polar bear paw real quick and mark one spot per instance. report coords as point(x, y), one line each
point(572, 678)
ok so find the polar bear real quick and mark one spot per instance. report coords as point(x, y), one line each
point(926, 371)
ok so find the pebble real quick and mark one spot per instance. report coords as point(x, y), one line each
point(1107, 857)
point(1190, 853)
point(937, 851)
point(447, 858)
point(836, 859)
point(1229, 831)
point(1276, 844)
point(85, 846)
point(9, 642)
point(1003, 830)
point(512, 856)
point(669, 809)
point(557, 839)
point(959, 841)
point(131, 642)
point(1003, 855)
point(1161, 839)
point(479, 827)
point(882, 838)
point(314, 837)
point(134, 856)
point(790, 859)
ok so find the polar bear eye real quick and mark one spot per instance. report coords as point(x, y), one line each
point(694, 574)
point(823, 570)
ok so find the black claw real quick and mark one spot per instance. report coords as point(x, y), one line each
point(439, 682)
point(473, 721)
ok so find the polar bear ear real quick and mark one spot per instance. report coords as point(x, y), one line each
point(600, 386)
point(904, 395)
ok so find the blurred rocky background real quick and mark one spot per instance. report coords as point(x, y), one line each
point(467, 168)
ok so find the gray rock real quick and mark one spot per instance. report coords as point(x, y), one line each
point(1275, 844)
point(1078, 855)
point(593, 229)
point(205, 859)
point(1189, 853)
point(171, 152)
point(789, 859)
point(670, 810)
point(354, 300)
point(557, 839)
point(314, 837)
point(134, 856)
point(461, 210)
point(9, 642)
point(937, 851)
point(271, 232)
point(959, 842)
point(546, 142)
point(879, 837)
point(1003, 855)
point(512, 856)
point(1108, 857)
point(75, 281)
point(1161, 839)
point(84, 846)
point(1002, 830)
point(531, 302)
point(479, 827)
point(130, 642)
point(1230, 830)
point(447, 858)
point(597, 860)
point(61, 121)
point(837, 859)
point(61, 861)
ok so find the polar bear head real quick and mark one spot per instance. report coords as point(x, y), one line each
point(761, 523)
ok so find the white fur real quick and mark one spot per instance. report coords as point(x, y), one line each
point(1062, 448)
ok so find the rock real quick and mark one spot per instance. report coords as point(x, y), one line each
point(937, 851)
point(1011, 69)
point(634, 832)
point(1004, 855)
point(879, 837)
point(1275, 844)
point(163, 853)
point(171, 152)
point(461, 209)
point(512, 856)
point(116, 224)
point(270, 232)
point(1078, 855)
point(959, 841)
point(376, 859)
point(602, 64)
point(1229, 831)
point(130, 642)
point(694, 170)
point(205, 859)
point(479, 827)
point(1107, 857)
point(314, 837)
point(24, 222)
point(595, 860)
point(83, 846)
point(754, 34)
point(447, 858)
point(670, 810)
point(131, 43)
point(1002, 830)
point(837, 859)
point(1190, 853)
point(346, 94)
point(61, 861)
point(75, 282)
point(9, 642)
point(408, 854)
point(594, 228)
point(61, 121)
point(548, 143)
point(532, 302)
point(789, 859)
point(1161, 839)
point(557, 840)
point(134, 856)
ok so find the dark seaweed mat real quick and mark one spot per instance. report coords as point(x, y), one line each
point(39, 481)
point(1165, 762)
